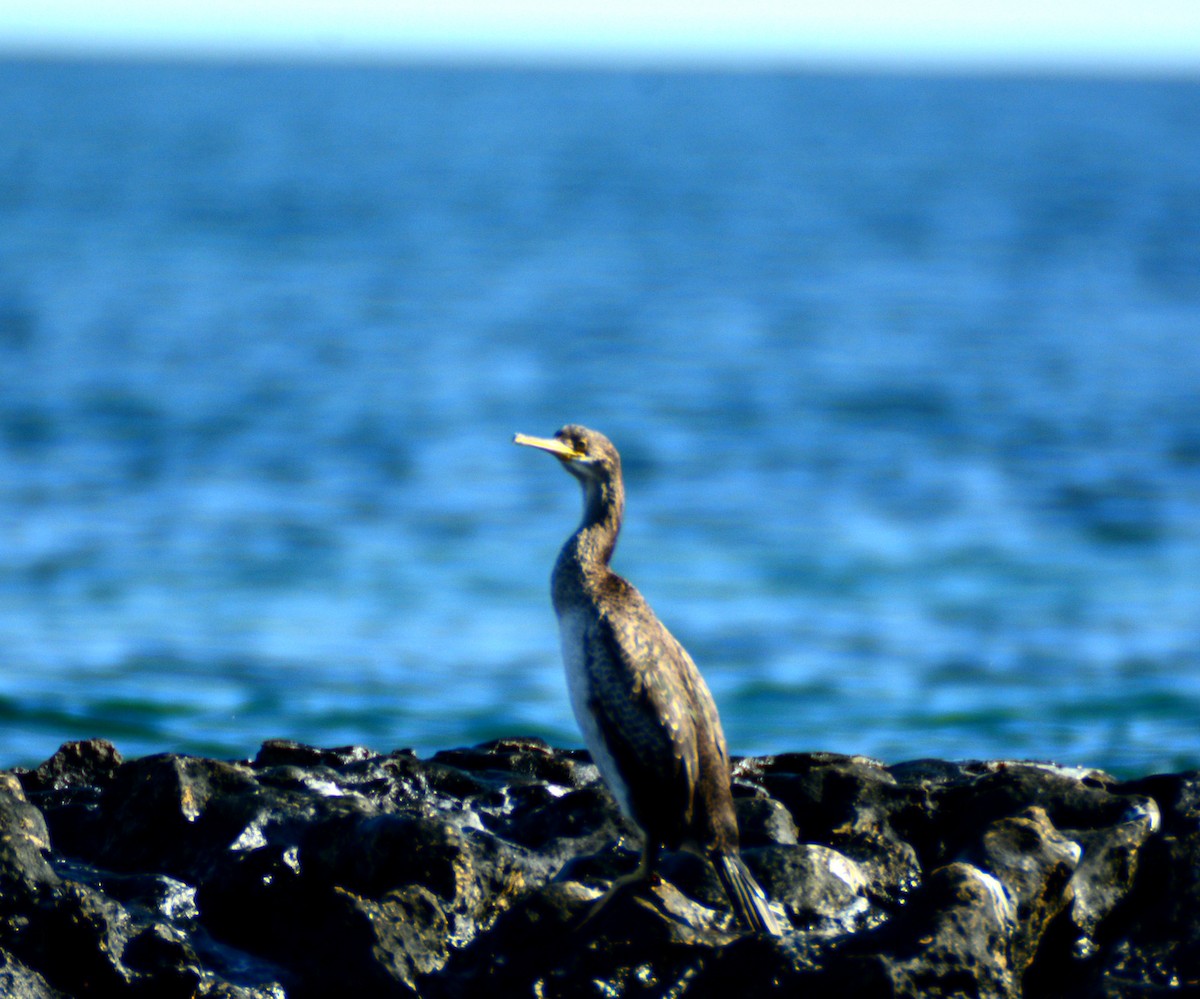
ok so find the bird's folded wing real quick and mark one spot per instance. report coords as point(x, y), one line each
point(646, 720)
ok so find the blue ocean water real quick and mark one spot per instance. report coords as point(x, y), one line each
point(905, 371)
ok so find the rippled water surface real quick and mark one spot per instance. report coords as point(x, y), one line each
point(905, 373)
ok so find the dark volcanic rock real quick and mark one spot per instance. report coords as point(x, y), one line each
point(24, 844)
point(314, 872)
point(952, 939)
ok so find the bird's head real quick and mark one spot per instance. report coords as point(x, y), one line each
point(586, 454)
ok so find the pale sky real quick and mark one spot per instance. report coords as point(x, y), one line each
point(1130, 34)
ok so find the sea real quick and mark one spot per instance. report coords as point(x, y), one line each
point(904, 369)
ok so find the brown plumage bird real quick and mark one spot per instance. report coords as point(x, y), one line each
point(647, 716)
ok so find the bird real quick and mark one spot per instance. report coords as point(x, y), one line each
point(647, 716)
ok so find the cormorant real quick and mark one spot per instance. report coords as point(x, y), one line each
point(647, 716)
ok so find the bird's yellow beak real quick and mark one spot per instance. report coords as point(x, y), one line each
point(551, 444)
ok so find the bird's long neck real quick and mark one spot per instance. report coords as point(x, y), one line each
point(584, 559)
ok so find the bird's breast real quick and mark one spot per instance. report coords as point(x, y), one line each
point(577, 632)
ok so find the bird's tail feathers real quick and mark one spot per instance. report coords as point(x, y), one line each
point(748, 899)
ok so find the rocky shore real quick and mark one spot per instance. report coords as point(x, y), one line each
point(341, 872)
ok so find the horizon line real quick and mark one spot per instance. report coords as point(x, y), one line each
point(925, 60)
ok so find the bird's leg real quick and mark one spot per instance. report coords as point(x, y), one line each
point(643, 872)
point(650, 851)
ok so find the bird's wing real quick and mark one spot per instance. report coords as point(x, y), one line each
point(646, 713)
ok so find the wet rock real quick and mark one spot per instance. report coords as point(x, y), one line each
point(311, 872)
point(80, 940)
point(91, 764)
point(1033, 862)
point(952, 939)
point(24, 845)
point(175, 813)
point(854, 805)
point(823, 891)
point(18, 981)
point(1105, 875)
point(763, 821)
point(1150, 943)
